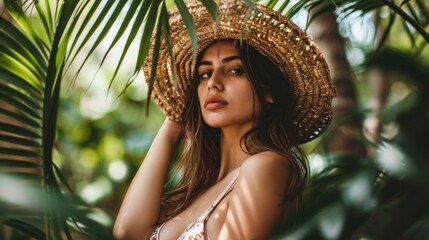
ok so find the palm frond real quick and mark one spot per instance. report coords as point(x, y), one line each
point(31, 68)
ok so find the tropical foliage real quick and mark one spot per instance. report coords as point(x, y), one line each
point(46, 46)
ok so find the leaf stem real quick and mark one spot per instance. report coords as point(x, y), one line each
point(407, 18)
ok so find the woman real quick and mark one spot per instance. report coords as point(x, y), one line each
point(257, 89)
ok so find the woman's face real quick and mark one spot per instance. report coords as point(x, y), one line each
point(224, 91)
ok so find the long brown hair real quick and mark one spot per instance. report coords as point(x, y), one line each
point(199, 162)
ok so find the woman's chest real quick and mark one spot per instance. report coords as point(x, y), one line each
point(199, 219)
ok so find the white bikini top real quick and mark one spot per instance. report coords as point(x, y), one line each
point(195, 230)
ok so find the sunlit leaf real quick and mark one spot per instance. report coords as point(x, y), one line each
point(131, 36)
point(14, 39)
point(75, 46)
point(283, 6)
point(106, 27)
point(272, 3)
point(28, 30)
point(46, 19)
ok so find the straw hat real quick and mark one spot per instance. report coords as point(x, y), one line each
point(273, 35)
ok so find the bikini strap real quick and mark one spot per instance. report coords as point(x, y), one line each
point(155, 234)
point(219, 198)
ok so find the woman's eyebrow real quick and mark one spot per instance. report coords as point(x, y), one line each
point(225, 60)
point(231, 58)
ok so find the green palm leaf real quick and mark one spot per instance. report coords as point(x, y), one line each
point(31, 68)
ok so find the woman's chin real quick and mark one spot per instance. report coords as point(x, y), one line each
point(215, 123)
point(215, 120)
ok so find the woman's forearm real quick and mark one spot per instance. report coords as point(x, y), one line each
point(141, 206)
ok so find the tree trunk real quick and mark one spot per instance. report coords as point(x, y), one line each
point(344, 138)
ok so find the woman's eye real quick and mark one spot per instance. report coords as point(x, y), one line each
point(205, 75)
point(236, 71)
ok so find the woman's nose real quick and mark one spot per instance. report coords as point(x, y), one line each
point(215, 82)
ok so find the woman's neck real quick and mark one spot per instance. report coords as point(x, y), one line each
point(232, 154)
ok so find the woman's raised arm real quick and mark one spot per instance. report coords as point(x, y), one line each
point(141, 206)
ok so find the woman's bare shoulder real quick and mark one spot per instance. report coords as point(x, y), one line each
point(263, 162)
point(265, 169)
point(257, 198)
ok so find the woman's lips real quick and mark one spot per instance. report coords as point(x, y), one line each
point(214, 102)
